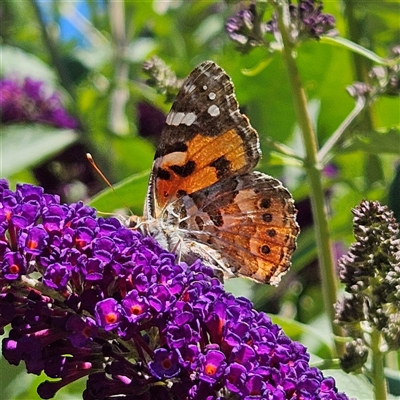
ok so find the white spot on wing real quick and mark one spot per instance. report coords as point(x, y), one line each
point(212, 96)
point(169, 118)
point(205, 87)
point(189, 88)
point(213, 110)
point(189, 118)
point(177, 118)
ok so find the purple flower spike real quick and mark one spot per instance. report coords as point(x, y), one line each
point(34, 241)
point(135, 307)
point(86, 297)
point(29, 101)
point(56, 276)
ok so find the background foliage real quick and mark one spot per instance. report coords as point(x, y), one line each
point(92, 52)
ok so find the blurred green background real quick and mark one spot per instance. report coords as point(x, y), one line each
point(92, 54)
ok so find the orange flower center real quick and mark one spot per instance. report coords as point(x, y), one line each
point(136, 309)
point(14, 269)
point(210, 369)
point(166, 364)
point(111, 318)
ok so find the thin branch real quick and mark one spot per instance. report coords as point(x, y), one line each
point(324, 155)
point(53, 51)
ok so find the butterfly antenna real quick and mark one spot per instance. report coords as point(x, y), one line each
point(98, 170)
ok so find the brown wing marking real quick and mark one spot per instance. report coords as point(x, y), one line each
point(253, 226)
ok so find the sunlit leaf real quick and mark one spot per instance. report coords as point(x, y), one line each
point(374, 142)
point(356, 48)
point(129, 193)
point(24, 146)
point(16, 62)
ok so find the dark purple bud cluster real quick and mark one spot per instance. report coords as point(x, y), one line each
point(29, 101)
point(247, 29)
point(370, 272)
point(87, 297)
point(307, 20)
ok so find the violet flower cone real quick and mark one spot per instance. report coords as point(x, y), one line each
point(87, 297)
point(29, 101)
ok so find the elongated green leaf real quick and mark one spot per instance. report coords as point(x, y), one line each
point(128, 193)
point(374, 142)
point(17, 62)
point(356, 48)
point(295, 330)
point(23, 146)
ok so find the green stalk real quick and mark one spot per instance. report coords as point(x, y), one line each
point(53, 51)
point(314, 174)
point(117, 118)
point(377, 372)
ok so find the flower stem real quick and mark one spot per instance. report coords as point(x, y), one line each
point(377, 372)
point(53, 51)
point(314, 175)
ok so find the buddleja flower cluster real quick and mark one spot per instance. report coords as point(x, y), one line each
point(307, 21)
point(371, 274)
point(29, 101)
point(87, 297)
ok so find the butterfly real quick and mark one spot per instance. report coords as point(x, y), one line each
point(203, 199)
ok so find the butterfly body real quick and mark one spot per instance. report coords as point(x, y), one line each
point(203, 200)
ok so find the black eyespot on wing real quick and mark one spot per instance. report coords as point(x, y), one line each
point(267, 217)
point(184, 170)
point(271, 232)
point(265, 203)
point(265, 249)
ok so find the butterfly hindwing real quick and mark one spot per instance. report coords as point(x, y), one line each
point(250, 219)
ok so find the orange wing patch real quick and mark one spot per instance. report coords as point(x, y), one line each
point(206, 161)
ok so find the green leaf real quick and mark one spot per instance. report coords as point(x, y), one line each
point(23, 146)
point(295, 330)
point(128, 193)
point(15, 61)
point(374, 142)
point(356, 48)
point(393, 379)
point(257, 69)
point(355, 386)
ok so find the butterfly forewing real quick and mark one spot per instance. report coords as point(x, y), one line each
point(205, 139)
point(203, 200)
